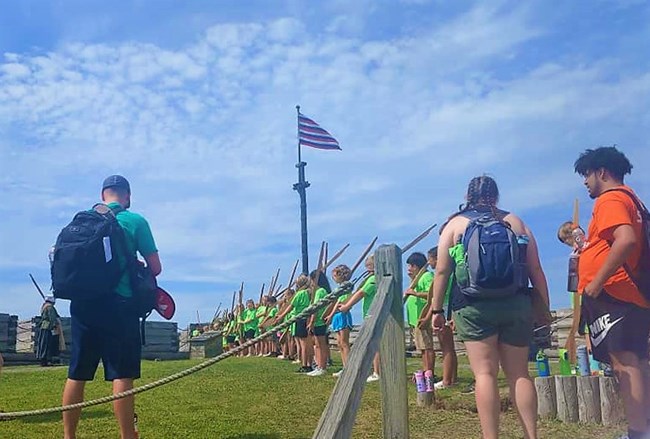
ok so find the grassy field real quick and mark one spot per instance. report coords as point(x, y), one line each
point(246, 398)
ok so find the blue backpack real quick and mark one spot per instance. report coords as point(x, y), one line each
point(495, 258)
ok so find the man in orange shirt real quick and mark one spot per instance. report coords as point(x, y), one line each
point(617, 313)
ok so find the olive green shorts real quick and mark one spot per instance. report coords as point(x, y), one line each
point(511, 318)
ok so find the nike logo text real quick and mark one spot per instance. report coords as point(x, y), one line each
point(599, 329)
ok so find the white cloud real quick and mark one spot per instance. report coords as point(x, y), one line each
point(206, 134)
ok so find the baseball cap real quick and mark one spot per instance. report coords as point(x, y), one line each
point(116, 181)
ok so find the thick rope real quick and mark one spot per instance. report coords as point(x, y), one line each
point(343, 289)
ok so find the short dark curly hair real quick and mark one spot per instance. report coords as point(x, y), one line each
point(604, 157)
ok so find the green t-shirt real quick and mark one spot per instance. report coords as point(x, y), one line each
point(250, 314)
point(415, 305)
point(318, 295)
point(299, 302)
point(261, 312)
point(273, 312)
point(138, 238)
point(344, 297)
point(369, 290)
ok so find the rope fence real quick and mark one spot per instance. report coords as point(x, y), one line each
point(343, 289)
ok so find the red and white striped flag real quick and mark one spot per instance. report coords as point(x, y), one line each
point(312, 135)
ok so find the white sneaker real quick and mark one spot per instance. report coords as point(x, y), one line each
point(337, 374)
point(317, 372)
point(440, 385)
point(280, 357)
point(372, 378)
point(295, 362)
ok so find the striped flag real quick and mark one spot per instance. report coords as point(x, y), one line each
point(312, 135)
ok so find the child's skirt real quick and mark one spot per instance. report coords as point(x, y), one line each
point(341, 320)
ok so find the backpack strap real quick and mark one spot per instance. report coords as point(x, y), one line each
point(637, 202)
point(643, 211)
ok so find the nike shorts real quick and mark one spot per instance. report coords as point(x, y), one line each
point(615, 326)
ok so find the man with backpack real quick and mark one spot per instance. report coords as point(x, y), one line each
point(492, 255)
point(613, 277)
point(105, 318)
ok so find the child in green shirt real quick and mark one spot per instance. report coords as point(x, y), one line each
point(300, 301)
point(317, 324)
point(341, 322)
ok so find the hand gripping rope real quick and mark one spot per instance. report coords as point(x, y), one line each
point(343, 289)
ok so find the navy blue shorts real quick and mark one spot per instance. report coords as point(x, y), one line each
point(106, 329)
point(320, 331)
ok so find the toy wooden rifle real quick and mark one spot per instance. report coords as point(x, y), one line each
point(36, 285)
point(261, 294)
point(234, 298)
point(416, 279)
point(279, 291)
point(419, 238)
point(363, 256)
point(338, 254)
point(274, 281)
point(241, 312)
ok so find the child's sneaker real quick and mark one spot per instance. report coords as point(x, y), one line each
point(337, 374)
point(317, 372)
point(372, 378)
point(441, 385)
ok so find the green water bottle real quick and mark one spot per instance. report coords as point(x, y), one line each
point(565, 364)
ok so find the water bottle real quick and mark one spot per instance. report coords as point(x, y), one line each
point(420, 384)
point(572, 281)
point(594, 365)
point(522, 243)
point(583, 361)
point(565, 364)
point(578, 237)
point(543, 367)
point(428, 381)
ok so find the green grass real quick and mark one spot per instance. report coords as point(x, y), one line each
point(243, 398)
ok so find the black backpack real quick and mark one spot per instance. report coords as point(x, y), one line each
point(84, 263)
point(642, 281)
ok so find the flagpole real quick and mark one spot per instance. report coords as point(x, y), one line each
point(301, 188)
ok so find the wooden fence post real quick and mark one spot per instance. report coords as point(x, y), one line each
point(567, 398)
point(394, 396)
point(611, 405)
point(337, 419)
point(589, 399)
point(546, 397)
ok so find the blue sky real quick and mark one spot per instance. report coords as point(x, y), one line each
point(195, 103)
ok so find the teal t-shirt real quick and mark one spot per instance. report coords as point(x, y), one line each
point(138, 239)
point(415, 305)
point(369, 290)
point(318, 295)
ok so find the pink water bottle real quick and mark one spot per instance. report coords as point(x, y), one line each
point(420, 384)
point(428, 381)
